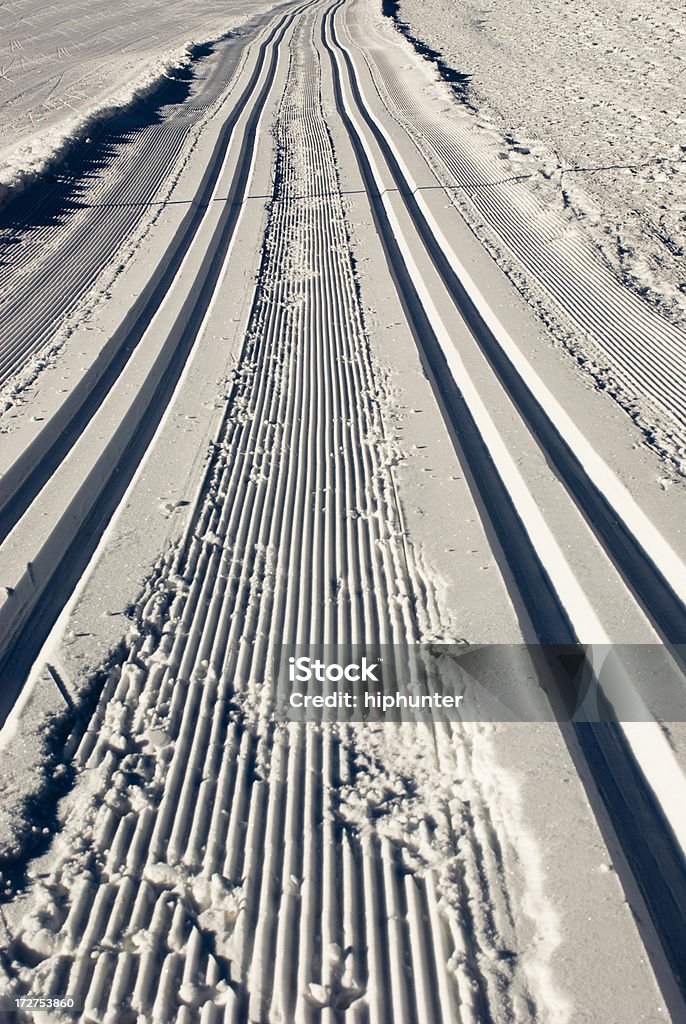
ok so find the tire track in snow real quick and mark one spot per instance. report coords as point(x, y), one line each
point(216, 865)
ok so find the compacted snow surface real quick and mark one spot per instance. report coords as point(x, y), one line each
point(591, 95)
point(578, 109)
point(264, 385)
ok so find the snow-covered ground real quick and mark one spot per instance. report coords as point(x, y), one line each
point(590, 95)
point(62, 65)
point(299, 402)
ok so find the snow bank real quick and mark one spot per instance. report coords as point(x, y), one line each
point(65, 68)
point(37, 155)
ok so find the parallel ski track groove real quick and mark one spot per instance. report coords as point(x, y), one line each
point(645, 347)
point(663, 606)
point(618, 783)
point(229, 885)
point(42, 295)
point(78, 409)
point(38, 618)
point(235, 824)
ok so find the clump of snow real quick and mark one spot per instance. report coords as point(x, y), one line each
point(502, 794)
point(445, 803)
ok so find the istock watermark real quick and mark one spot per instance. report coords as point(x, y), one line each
point(494, 683)
point(305, 668)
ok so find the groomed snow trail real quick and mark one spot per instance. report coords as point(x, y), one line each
point(215, 865)
point(629, 347)
point(95, 210)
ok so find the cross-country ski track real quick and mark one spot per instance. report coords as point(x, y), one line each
point(207, 861)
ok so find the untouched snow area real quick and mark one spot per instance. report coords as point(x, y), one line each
point(591, 96)
point(64, 66)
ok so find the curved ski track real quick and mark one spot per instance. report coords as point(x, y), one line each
point(232, 878)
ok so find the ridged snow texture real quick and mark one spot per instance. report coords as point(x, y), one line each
point(215, 866)
point(60, 257)
point(647, 354)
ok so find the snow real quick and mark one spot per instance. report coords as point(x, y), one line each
point(64, 68)
point(301, 482)
point(589, 95)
